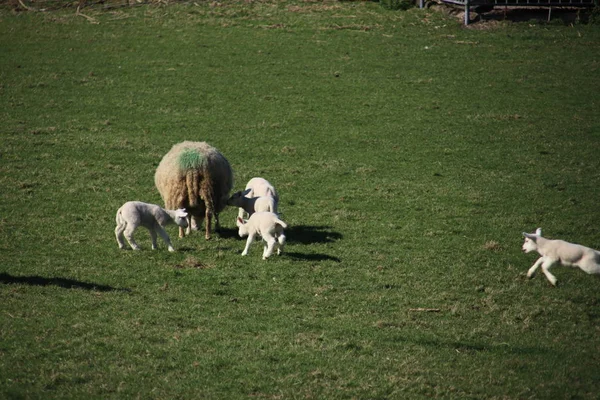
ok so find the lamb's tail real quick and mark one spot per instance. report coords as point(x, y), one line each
point(119, 218)
point(272, 205)
point(280, 222)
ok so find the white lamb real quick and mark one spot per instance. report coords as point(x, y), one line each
point(267, 225)
point(558, 251)
point(256, 187)
point(252, 204)
point(133, 214)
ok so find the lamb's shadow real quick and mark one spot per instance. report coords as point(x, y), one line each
point(311, 257)
point(227, 233)
point(60, 282)
point(308, 234)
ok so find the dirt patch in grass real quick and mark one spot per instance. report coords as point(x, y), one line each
point(191, 262)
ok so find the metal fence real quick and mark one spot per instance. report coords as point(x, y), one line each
point(517, 3)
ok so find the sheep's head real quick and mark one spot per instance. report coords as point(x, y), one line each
point(181, 218)
point(530, 243)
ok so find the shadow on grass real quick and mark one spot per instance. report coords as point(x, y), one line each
point(311, 257)
point(227, 233)
point(60, 282)
point(304, 234)
point(474, 347)
point(307, 234)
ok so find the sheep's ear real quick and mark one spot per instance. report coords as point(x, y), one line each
point(245, 192)
point(240, 221)
point(538, 231)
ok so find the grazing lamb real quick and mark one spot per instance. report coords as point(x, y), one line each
point(256, 187)
point(195, 176)
point(252, 204)
point(559, 251)
point(133, 214)
point(267, 225)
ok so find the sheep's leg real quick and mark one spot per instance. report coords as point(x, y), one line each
point(153, 237)
point(129, 236)
point(207, 223)
point(535, 266)
point(546, 265)
point(248, 243)
point(163, 234)
point(119, 234)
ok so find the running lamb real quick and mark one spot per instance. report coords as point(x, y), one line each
point(267, 225)
point(559, 251)
point(152, 217)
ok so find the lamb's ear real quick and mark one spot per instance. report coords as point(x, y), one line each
point(181, 213)
point(245, 192)
point(239, 221)
point(530, 236)
point(538, 231)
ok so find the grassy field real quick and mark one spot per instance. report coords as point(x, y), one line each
point(409, 153)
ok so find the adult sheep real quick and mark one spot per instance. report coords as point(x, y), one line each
point(195, 176)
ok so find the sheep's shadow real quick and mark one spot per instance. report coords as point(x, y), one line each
point(60, 282)
point(308, 234)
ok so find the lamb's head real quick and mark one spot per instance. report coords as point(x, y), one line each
point(242, 228)
point(237, 199)
point(181, 218)
point(530, 243)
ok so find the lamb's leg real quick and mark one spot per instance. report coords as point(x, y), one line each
point(163, 234)
point(129, 236)
point(269, 246)
point(182, 230)
point(153, 237)
point(281, 241)
point(590, 266)
point(535, 266)
point(217, 223)
point(546, 265)
point(241, 213)
point(119, 234)
point(248, 243)
point(193, 224)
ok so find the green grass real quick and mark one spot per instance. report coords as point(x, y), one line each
point(409, 154)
